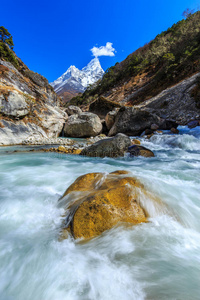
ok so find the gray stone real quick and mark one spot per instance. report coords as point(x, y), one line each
point(84, 125)
point(133, 121)
point(110, 147)
point(73, 110)
point(154, 127)
point(14, 104)
point(15, 133)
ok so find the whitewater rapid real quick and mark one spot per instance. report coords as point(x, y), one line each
point(155, 260)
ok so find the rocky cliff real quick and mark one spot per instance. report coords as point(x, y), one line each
point(28, 104)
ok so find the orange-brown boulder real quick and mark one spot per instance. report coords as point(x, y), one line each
point(96, 202)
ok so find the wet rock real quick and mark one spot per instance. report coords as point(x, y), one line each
point(193, 124)
point(136, 150)
point(84, 125)
point(149, 136)
point(110, 147)
point(174, 130)
point(73, 110)
point(133, 121)
point(96, 202)
point(135, 142)
point(154, 127)
point(62, 149)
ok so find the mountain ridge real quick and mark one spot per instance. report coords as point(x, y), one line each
point(75, 81)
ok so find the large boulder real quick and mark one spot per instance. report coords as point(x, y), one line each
point(84, 125)
point(102, 106)
point(73, 110)
point(111, 147)
point(133, 121)
point(14, 104)
point(96, 202)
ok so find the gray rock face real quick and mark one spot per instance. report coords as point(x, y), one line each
point(28, 106)
point(83, 125)
point(133, 121)
point(14, 104)
point(175, 103)
point(110, 118)
point(73, 110)
point(110, 147)
point(15, 133)
point(53, 121)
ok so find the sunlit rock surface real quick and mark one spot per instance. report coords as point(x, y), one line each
point(96, 202)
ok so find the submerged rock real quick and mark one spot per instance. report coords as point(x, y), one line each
point(110, 147)
point(62, 149)
point(100, 202)
point(83, 125)
point(137, 150)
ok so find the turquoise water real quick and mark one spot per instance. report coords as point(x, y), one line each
point(157, 260)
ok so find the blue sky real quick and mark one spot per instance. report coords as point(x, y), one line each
point(49, 36)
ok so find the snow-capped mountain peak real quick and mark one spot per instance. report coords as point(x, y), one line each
point(78, 80)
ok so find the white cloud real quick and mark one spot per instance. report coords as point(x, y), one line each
point(106, 50)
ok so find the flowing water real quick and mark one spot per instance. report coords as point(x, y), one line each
point(155, 260)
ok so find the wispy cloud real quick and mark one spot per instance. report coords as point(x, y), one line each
point(106, 50)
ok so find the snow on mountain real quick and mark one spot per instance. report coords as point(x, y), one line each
point(78, 80)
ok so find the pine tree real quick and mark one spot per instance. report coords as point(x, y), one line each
point(6, 37)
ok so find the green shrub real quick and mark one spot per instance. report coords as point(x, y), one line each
point(7, 54)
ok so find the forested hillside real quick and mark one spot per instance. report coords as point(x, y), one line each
point(171, 57)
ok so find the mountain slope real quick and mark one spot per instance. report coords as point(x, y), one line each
point(75, 81)
point(29, 107)
point(171, 57)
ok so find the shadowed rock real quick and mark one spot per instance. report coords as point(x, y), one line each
point(110, 147)
point(133, 121)
point(137, 150)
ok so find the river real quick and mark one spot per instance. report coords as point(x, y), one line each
point(156, 260)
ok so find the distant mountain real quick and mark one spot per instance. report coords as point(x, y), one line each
point(75, 81)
